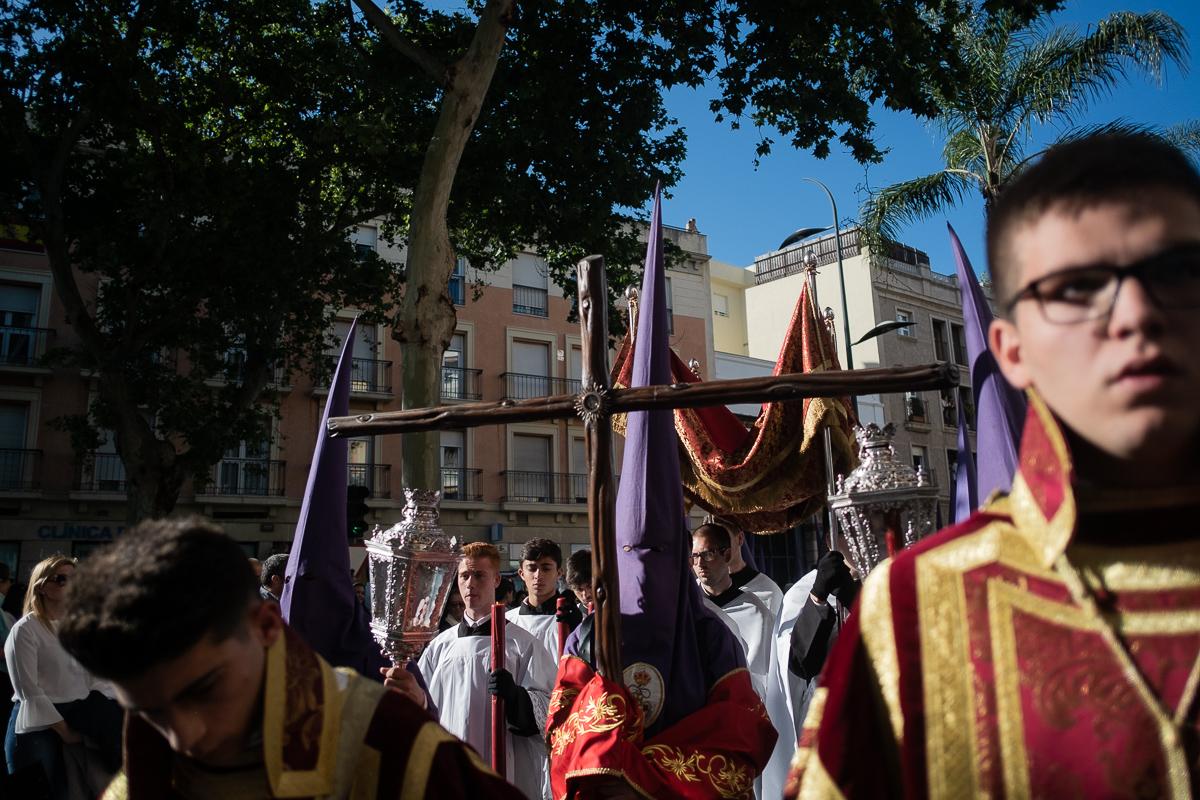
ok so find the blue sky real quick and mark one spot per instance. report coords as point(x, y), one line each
point(747, 211)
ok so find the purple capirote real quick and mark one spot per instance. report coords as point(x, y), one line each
point(318, 599)
point(664, 622)
point(999, 408)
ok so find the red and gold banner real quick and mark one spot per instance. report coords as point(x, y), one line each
point(771, 476)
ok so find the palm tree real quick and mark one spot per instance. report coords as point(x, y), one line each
point(1020, 75)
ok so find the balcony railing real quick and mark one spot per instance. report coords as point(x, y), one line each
point(519, 386)
point(376, 477)
point(101, 472)
point(23, 347)
point(545, 487)
point(366, 375)
point(460, 383)
point(20, 470)
point(530, 300)
point(252, 477)
point(460, 483)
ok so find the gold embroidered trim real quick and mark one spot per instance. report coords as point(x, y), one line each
point(727, 778)
point(118, 789)
point(1002, 598)
point(879, 640)
point(599, 715)
point(616, 773)
point(817, 783)
point(1138, 569)
point(561, 698)
point(430, 737)
point(366, 775)
point(290, 782)
point(947, 680)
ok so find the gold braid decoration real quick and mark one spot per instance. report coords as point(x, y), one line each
point(604, 713)
point(727, 777)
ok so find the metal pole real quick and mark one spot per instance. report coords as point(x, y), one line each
point(841, 283)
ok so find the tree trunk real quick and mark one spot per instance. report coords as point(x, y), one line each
point(426, 319)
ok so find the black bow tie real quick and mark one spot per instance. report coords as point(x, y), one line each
point(482, 629)
point(545, 609)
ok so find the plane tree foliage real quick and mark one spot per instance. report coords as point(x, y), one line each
point(193, 170)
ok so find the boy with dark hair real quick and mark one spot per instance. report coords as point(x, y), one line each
point(1047, 646)
point(541, 568)
point(223, 700)
point(579, 576)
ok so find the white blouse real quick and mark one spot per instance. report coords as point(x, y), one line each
point(43, 673)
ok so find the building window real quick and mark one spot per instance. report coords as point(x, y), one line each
point(458, 282)
point(458, 382)
point(920, 459)
point(575, 368)
point(365, 239)
point(17, 463)
point(904, 316)
point(949, 400)
point(941, 350)
point(530, 295)
point(914, 407)
point(531, 480)
point(21, 344)
point(530, 376)
point(960, 344)
point(720, 305)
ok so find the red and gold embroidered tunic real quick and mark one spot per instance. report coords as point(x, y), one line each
point(1047, 647)
point(595, 729)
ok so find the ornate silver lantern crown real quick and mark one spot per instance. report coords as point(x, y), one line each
point(412, 567)
point(882, 495)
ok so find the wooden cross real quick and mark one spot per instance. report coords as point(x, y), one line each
point(597, 401)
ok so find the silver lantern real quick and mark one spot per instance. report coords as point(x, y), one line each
point(412, 567)
point(882, 499)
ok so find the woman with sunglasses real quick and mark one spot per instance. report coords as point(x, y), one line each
point(57, 701)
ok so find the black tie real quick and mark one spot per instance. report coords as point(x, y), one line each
point(482, 629)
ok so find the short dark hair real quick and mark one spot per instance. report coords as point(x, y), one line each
point(579, 569)
point(1076, 175)
point(715, 531)
point(274, 565)
point(153, 594)
point(537, 549)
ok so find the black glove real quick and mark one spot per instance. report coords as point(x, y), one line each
point(832, 572)
point(569, 614)
point(502, 685)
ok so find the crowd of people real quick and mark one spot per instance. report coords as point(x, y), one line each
point(1045, 647)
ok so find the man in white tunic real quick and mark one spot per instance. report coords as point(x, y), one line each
point(807, 629)
point(750, 579)
point(541, 568)
point(456, 665)
point(752, 621)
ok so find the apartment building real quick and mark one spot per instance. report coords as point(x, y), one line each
point(503, 483)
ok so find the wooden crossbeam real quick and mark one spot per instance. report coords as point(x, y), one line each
point(595, 404)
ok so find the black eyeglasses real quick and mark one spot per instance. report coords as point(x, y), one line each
point(708, 555)
point(1083, 294)
point(60, 580)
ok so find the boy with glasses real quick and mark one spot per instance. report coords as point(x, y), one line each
point(1049, 646)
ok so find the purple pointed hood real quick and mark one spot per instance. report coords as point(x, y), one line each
point(318, 596)
point(999, 408)
point(664, 623)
